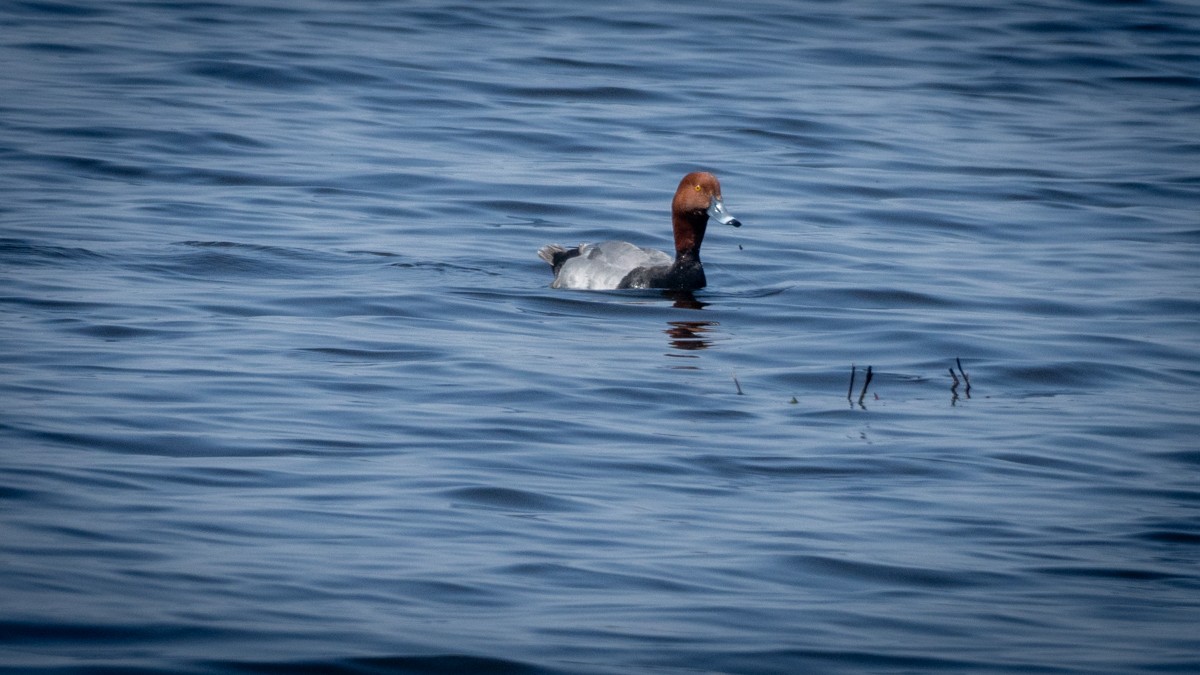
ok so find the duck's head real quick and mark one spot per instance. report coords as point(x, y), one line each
point(697, 199)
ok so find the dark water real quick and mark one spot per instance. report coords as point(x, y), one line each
point(285, 389)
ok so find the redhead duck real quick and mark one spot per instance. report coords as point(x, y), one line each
point(617, 264)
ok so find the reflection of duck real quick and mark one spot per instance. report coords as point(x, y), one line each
point(619, 264)
point(684, 300)
point(689, 335)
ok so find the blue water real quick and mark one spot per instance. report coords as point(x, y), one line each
point(285, 388)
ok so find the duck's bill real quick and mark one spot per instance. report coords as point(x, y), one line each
point(716, 211)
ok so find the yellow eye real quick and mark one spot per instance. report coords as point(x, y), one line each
point(697, 188)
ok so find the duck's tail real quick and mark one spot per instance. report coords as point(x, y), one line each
point(550, 251)
point(556, 255)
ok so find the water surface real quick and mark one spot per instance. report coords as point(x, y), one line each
point(285, 386)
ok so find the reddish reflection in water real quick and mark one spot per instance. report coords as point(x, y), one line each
point(689, 335)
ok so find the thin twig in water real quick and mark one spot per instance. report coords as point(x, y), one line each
point(964, 376)
point(736, 383)
point(850, 391)
point(954, 386)
point(866, 384)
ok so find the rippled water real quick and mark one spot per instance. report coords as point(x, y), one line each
point(285, 387)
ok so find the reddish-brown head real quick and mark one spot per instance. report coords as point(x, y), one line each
point(698, 197)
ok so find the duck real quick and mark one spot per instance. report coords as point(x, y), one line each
point(621, 265)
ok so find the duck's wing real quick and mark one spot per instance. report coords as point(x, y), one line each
point(604, 265)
